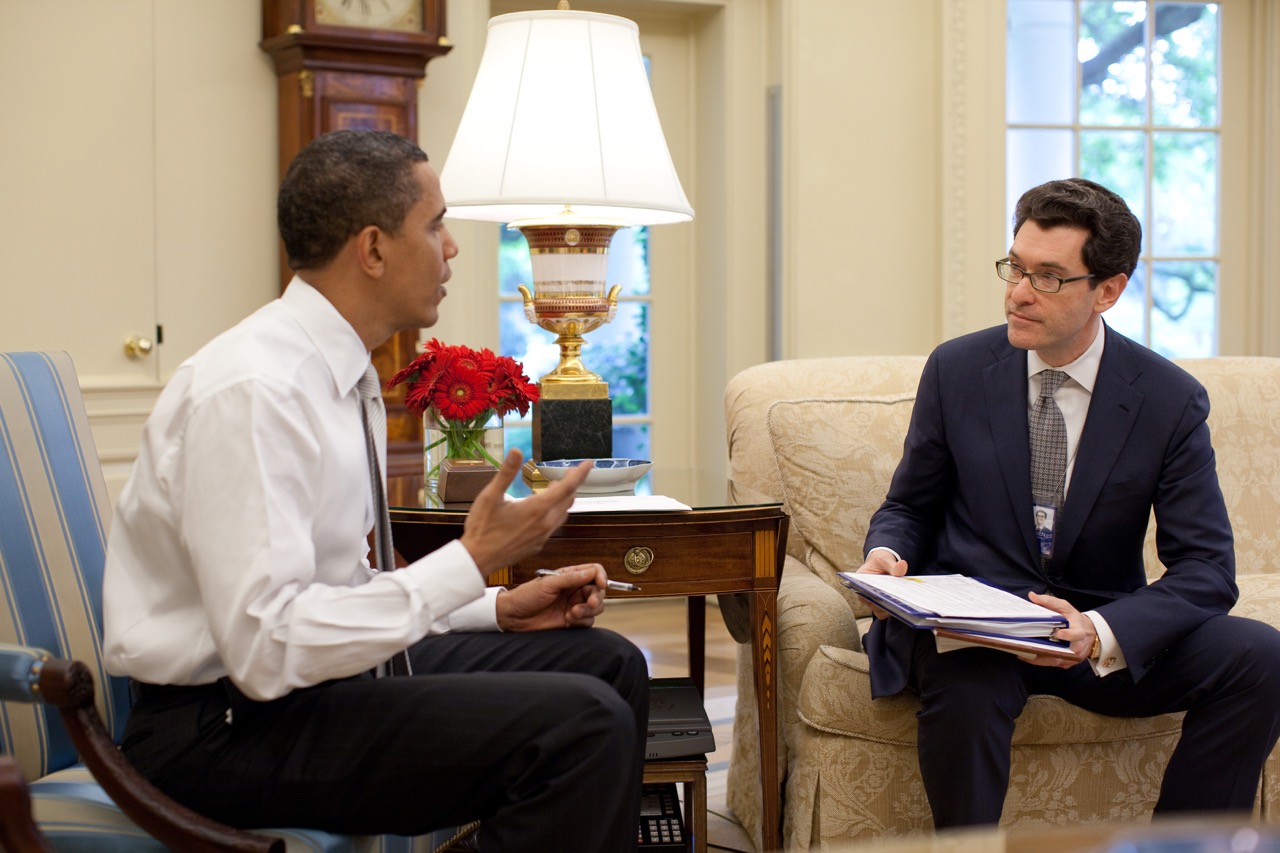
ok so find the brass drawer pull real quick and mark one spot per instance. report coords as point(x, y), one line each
point(638, 560)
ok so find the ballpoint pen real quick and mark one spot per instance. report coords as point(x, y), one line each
point(611, 584)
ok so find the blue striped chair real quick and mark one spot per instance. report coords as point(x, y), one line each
point(58, 705)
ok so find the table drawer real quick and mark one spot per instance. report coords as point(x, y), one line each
point(672, 565)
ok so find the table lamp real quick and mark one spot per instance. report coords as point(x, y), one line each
point(561, 140)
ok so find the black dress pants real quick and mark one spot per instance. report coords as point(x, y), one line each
point(1225, 675)
point(540, 736)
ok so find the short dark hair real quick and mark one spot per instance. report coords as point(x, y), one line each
point(1115, 235)
point(339, 184)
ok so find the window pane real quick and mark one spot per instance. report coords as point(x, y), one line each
point(629, 261)
point(1117, 160)
point(1184, 317)
point(619, 352)
point(1184, 194)
point(1113, 74)
point(528, 344)
point(631, 441)
point(518, 436)
point(1184, 65)
point(1033, 157)
point(1163, 159)
point(1129, 315)
point(1040, 32)
point(514, 266)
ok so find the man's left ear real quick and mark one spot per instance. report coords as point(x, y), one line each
point(1107, 293)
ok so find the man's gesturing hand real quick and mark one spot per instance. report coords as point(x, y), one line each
point(881, 562)
point(499, 532)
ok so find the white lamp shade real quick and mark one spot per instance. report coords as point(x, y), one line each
point(561, 114)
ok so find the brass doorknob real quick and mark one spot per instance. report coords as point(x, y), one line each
point(136, 346)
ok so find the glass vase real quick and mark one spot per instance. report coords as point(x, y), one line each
point(453, 440)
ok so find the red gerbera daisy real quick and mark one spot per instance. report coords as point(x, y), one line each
point(461, 393)
point(458, 383)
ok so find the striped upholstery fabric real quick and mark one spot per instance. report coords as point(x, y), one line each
point(54, 516)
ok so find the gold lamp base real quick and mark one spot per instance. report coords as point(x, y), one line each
point(569, 318)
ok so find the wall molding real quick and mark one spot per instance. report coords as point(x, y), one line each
point(117, 415)
point(972, 225)
point(1264, 253)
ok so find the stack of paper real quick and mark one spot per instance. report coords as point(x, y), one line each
point(964, 611)
point(628, 503)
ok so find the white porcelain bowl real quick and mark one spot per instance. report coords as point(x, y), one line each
point(608, 475)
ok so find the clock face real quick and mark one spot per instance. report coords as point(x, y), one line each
point(375, 14)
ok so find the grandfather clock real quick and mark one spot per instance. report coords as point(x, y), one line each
point(357, 64)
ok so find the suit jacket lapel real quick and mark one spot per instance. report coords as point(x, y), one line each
point(1113, 410)
point(1005, 384)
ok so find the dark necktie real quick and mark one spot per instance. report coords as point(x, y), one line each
point(374, 418)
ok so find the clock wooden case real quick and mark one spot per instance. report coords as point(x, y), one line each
point(357, 64)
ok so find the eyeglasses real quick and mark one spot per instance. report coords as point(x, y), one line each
point(1041, 281)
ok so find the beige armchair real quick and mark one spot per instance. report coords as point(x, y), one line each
point(824, 436)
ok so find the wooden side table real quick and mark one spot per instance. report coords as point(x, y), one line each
point(707, 551)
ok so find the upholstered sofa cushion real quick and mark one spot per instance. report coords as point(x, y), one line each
point(836, 699)
point(753, 476)
point(1259, 598)
point(1246, 434)
point(833, 465)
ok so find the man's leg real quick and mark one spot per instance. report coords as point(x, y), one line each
point(548, 759)
point(600, 653)
point(1226, 676)
point(969, 700)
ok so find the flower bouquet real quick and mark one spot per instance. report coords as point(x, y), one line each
point(459, 391)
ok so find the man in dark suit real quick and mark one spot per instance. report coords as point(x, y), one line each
point(962, 501)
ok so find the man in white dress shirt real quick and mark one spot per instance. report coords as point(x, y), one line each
point(239, 596)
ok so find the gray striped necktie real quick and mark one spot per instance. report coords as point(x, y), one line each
point(373, 415)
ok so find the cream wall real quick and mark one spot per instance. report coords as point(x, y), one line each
point(137, 182)
point(862, 181)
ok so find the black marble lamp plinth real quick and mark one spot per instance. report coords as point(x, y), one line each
point(573, 429)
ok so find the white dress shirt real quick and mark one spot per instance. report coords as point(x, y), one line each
point(1073, 397)
point(239, 544)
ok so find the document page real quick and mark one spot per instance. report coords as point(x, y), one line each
point(955, 601)
point(628, 503)
point(955, 595)
point(950, 639)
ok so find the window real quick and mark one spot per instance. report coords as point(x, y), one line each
point(1127, 94)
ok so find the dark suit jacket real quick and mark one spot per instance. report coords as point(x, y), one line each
point(960, 500)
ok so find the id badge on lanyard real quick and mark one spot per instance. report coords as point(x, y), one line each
point(1045, 522)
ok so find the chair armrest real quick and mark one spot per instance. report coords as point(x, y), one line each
point(68, 686)
point(18, 830)
point(811, 614)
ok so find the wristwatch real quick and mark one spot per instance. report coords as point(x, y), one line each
point(1096, 651)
